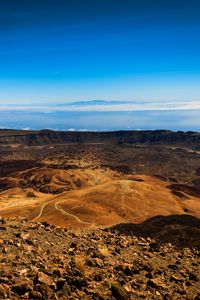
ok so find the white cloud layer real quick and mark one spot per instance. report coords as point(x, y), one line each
point(107, 106)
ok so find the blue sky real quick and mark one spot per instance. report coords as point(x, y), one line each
point(72, 50)
point(61, 51)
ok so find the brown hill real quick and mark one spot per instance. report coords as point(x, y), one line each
point(93, 198)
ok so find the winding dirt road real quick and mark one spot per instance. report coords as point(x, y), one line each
point(125, 191)
point(41, 211)
point(56, 205)
point(71, 215)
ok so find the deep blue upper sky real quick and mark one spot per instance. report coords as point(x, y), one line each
point(58, 51)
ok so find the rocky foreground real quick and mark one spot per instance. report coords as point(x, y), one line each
point(41, 261)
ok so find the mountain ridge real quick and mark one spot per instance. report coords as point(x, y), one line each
point(47, 136)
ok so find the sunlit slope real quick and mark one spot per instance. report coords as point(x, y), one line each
point(106, 201)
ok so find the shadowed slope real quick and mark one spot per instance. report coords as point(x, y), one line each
point(181, 230)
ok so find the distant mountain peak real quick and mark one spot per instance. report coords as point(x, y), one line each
point(99, 102)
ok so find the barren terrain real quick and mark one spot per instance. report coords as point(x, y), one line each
point(90, 185)
point(99, 215)
point(41, 261)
